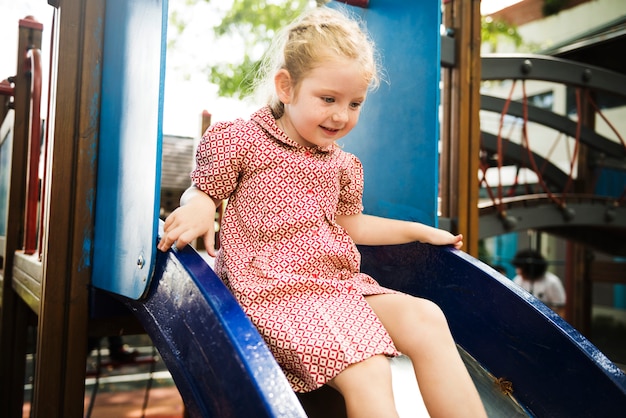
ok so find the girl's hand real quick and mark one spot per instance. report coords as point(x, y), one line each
point(457, 241)
point(443, 237)
point(375, 230)
point(194, 219)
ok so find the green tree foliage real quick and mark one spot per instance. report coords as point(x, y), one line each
point(491, 30)
point(254, 22)
point(251, 24)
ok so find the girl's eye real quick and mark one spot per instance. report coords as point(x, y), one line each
point(328, 99)
point(355, 105)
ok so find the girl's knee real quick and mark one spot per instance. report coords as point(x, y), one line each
point(424, 328)
point(369, 372)
point(427, 312)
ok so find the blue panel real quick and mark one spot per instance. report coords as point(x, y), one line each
point(129, 154)
point(555, 371)
point(619, 296)
point(611, 183)
point(6, 149)
point(398, 132)
point(505, 248)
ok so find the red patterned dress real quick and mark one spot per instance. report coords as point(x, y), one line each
point(292, 268)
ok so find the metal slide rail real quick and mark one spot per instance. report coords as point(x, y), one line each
point(546, 68)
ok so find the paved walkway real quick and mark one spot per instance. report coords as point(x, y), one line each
point(120, 389)
point(162, 403)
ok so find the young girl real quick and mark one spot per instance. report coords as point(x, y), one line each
point(293, 217)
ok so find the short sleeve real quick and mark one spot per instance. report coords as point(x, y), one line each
point(351, 186)
point(219, 157)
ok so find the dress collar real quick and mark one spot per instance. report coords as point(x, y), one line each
point(265, 118)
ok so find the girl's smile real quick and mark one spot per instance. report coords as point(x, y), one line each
point(326, 105)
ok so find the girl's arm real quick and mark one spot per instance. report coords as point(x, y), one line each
point(194, 218)
point(374, 230)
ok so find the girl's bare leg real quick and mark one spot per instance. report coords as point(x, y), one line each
point(366, 389)
point(419, 329)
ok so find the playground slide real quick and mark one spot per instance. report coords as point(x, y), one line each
point(525, 360)
point(549, 367)
point(219, 362)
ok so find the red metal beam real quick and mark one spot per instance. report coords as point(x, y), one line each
point(6, 89)
point(33, 64)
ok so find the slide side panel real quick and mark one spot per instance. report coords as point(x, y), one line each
point(555, 371)
point(217, 359)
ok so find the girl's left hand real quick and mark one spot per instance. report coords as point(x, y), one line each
point(458, 241)
point(443, 237)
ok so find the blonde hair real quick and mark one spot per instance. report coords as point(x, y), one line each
point(316, 36)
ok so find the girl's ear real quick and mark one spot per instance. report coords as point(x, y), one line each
point(282, 83)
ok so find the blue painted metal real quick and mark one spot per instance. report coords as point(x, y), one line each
point(129, 155)
point(505, 250)
point(218, 360)
point(555, 371)
point(611, 183)
point(6, 148)
point(619, 296)
point(398, 132)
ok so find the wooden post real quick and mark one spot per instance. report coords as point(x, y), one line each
point(73, 140)
point(460, 132)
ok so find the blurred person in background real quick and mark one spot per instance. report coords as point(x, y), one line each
point(532, 274)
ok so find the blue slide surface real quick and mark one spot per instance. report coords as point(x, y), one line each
point(554, 370)
point(223, 368)
point(218, 360)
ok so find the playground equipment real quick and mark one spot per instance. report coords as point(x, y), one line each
point(99, 226)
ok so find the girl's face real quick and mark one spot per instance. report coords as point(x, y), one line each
point(326, 105)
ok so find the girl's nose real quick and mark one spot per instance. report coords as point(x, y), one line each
point(340, 115)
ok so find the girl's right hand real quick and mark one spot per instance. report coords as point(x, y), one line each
point(194, 219)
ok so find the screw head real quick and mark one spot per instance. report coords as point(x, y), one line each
point(527, 67)
point(141, 261)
